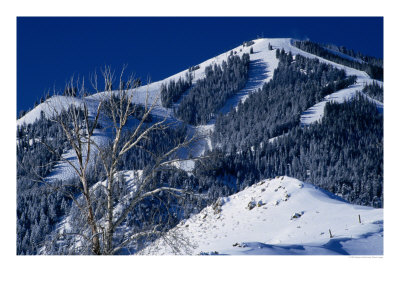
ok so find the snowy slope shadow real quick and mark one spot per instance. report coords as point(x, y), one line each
point(336, 246)
point(259, 71)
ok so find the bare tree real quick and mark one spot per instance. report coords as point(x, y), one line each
point(80, 126)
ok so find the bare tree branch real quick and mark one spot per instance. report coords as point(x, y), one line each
point(79, 126)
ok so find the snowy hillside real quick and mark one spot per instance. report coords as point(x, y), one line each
point(275, 216)
point(316, 112)
point(263, 62)
point(130, 179)
point(262, 65)
point(280, 216)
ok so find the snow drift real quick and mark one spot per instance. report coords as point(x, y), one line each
point(280, 216)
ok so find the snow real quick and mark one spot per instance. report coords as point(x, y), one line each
point(271, 140)
point(62, 170)
point(268, 227)
point(316, 112)
point(131, 179)
point(262, 64)
point(54, 105)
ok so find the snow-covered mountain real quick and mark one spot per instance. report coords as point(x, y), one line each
point(262, 66)
point(275, 216)
point(263, 62)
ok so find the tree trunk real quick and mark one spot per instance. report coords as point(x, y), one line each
point(109, 225)
point(95, 239)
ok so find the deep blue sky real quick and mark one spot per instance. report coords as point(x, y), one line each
point(50, 50)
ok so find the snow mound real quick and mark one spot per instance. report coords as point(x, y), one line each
point(279, 216)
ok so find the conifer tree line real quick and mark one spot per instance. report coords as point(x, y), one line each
point(275, 109)
point(171, 92)
point(203, 100)
point(372, 66)
point(40, 207)
point(342, 154)
point(34, 140)
point(374, 90)
point(350, 52)
point(157, 143)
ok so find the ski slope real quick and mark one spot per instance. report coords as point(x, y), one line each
point(53, 106)
point(262, 65)
point(279, 216)
point(316, 112)
point(263, 62)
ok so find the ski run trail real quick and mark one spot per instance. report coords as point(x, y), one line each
point(263, 62)
point(275, 216)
